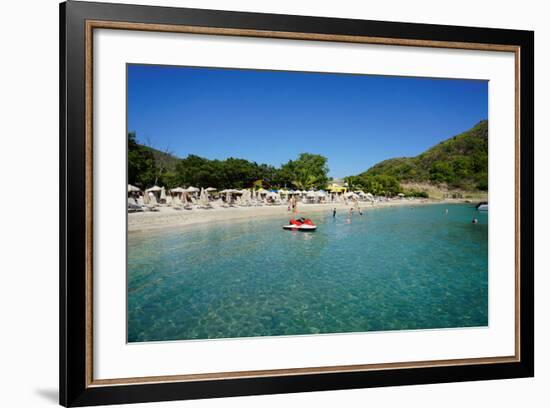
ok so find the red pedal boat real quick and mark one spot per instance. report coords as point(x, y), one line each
point(300, 224)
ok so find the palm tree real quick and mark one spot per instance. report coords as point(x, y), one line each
point(304, 180)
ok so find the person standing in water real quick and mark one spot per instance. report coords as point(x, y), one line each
point(356, 205)
point(334, 212)
point(446, 211)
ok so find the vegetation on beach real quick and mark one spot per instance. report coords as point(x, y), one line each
point(148, 166)
point(458, 163)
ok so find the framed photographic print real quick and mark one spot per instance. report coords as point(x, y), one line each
point(255, 203)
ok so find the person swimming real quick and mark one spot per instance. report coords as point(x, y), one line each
point(474, 221)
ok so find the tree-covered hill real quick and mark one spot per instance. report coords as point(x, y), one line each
point(459, 162)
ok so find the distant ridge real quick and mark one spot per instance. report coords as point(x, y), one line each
point(459, 162)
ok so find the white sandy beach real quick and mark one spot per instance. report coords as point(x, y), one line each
point(168, 217)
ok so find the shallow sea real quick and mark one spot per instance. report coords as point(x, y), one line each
point(390, 269)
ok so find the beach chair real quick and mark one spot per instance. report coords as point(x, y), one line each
point(133, 205)
point(176, 203)
point(153, 205)
point(187, 205)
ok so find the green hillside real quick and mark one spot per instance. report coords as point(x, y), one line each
point(460, 162)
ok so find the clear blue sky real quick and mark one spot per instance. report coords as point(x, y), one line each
point(270, 117)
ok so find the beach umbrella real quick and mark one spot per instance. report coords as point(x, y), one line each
point(153, 189)
point(132, 189)
point(210, 189)
point(203, 197)
point(192, 189)
point(401, 195)
point(262, 191)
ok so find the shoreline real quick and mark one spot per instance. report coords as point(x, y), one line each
point(169, 218)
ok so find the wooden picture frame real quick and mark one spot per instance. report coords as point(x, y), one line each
point(78, 20)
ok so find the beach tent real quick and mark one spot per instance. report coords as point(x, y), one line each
point(177, 190)
point(152, 195)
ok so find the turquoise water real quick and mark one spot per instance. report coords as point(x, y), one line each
point(390, 269)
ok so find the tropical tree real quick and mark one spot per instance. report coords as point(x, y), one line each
point(141, 163)
point(306, 172)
